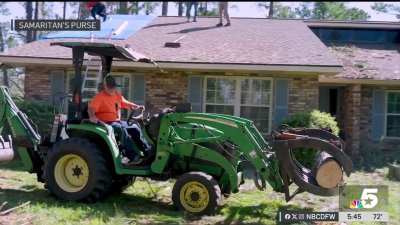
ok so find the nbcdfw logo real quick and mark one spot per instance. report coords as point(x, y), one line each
point(355, 198)
point(55, 25)
point(291, 216)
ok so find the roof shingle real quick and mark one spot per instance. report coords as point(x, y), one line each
point(359, 63)
point(247, 41)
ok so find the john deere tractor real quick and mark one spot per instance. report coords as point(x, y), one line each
point(205, 152)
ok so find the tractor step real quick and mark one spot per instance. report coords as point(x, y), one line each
point(138, 167)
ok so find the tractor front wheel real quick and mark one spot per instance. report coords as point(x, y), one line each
point(196, 192)
point(77, 170)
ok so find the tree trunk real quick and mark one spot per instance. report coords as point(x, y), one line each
point(394, 172)
point(123, 6)
point(64, 10)
point(327, 171)
point(37, 10)
point(29, 33)
point(83, 10)
point(136, 8)
point(271, 10)
point(164, 8)
point(180, 8)
point(3, 69)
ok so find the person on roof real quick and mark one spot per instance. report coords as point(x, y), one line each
point(223, 9)
point(189, 8)
point(98, 8)
point(106, 107)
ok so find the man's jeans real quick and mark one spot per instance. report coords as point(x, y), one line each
point(137, 136)
point(189, 8)
point(129, 133)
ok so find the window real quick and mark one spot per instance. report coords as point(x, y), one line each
point(393, 114)
point(245, 97)
point(369, 35)
point(315, 30)
point(358, 35)
point(91, 87)
point(393, 36)
point(336, 35)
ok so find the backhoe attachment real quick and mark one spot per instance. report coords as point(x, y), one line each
point(6, 150)
point(288, 139)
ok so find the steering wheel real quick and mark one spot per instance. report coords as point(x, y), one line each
point(136, 119)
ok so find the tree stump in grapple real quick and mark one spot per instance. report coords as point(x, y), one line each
point(327, 171)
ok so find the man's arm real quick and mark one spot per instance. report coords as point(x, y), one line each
point(127, 104)
point(92, 115)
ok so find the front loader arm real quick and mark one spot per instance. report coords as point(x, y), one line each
point(25, 139)
point(242, 133)
point(273, 160)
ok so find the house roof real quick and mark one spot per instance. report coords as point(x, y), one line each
point(247, 41)
point(359, 63)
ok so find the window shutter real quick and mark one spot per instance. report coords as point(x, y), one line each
point(378, 115)
point(139, 89)
point(281, 100)
point(195, 92)
point(57, 86)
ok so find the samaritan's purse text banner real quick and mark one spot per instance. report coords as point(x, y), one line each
point(56, 25)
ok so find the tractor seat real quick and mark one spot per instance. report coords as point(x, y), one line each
point(77, 120)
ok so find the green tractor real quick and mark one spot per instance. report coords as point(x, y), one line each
point(205, 152)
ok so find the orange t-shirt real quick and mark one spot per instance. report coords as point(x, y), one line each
point(108, 107)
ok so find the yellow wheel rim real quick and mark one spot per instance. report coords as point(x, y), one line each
point(71, 173)
point(194, 197)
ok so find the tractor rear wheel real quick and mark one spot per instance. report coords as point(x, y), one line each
point(196, 192)
point(77, 170)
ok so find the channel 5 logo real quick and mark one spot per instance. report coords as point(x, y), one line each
point(363, 198)
point(368, 199)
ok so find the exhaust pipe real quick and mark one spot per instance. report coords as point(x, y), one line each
point(6, 150)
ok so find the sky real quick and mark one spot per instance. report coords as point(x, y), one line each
point(244, 9)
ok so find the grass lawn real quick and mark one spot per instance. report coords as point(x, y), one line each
point(149, 202)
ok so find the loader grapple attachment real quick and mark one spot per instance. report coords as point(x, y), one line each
point(288, 140)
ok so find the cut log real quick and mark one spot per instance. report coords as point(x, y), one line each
point(327, 171)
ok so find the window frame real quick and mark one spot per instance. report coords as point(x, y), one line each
point(387, 114)
point(238, 91)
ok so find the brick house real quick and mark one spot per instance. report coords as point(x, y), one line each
point(259, 69)
point(366, 95)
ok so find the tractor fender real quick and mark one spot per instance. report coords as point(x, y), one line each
point(104, 138)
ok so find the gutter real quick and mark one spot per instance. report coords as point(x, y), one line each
point(344, 81)
point(182, 66)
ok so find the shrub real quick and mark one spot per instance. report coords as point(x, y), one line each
point(313, 119)
point(371, 158)
point(41, 114)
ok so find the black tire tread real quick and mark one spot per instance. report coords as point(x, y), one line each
point(98, 187)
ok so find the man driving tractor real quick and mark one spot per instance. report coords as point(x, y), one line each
point(106, 107)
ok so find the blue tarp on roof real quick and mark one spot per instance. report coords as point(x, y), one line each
point(128, 25)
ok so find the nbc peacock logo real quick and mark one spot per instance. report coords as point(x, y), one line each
point(356, 204)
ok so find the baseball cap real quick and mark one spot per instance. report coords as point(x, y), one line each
point(110, 81)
